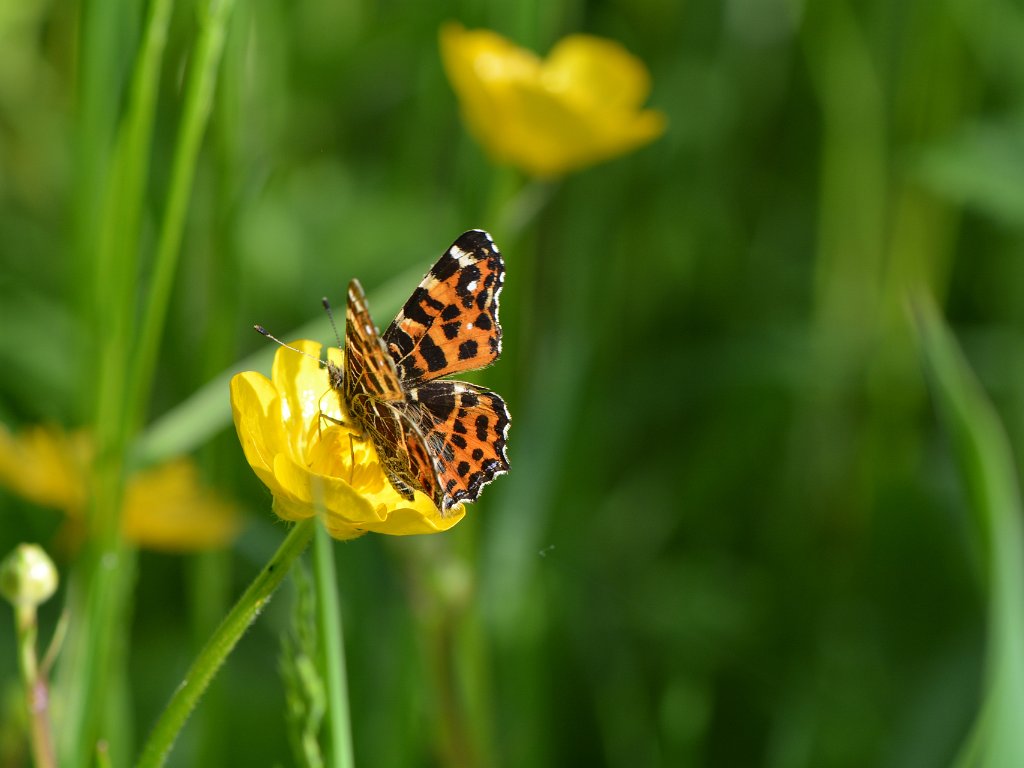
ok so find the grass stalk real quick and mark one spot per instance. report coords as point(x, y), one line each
point(987, 469)
point(198, 105)
point(111, 254)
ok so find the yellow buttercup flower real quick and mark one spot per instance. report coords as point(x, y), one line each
point(313, 465)
point(165, 508)
point(576, 108)
point(46, 466)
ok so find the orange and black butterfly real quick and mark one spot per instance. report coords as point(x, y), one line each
point(444, 438)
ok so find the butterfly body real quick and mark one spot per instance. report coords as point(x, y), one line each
point(442, 437)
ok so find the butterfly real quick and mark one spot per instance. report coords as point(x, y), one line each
point(442, 437)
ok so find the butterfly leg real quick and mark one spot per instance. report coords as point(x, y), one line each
point(351, 459)
point(340, 422)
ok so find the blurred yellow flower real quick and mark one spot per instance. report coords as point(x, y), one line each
point(165, 508)
point(576, 108)
point(46, 466)
point(313, 465)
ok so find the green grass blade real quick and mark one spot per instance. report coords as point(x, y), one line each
point(198, 105)
point(110, 254)
point(988, 471)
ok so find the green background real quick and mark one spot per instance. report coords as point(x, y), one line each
point(734, 532)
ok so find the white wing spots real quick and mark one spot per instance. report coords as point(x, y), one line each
point(469, 326)
point(464, 258)
point(471, 286)
point(369, 330)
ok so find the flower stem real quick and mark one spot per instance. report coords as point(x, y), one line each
point(37, 692)
point(210, 659)
point(332, 644)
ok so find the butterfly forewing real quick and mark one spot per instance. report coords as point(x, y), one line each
point(450, 323)
point(371, 386)
point(369, 370)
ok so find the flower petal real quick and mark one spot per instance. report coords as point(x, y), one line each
point(302, 383)
point(419, 517)
point(597, 72)
point(256, 409)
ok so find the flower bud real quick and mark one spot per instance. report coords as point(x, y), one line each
point(28, 576)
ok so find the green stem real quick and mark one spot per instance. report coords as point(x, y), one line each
point(37, 692)
point(221, 644)
point(103, 755)
point(332, 644)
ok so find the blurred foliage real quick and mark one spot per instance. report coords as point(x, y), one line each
point(734, 532)
point(304, 689)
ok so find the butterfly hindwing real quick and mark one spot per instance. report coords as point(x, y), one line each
point(468, 428)
point(414, 467)
point(450, 323)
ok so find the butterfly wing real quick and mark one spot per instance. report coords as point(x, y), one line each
point(370, 387)
point(446, 438)
point(369, 369)
point(450, 323)
point(464, 427)
point(407, 459)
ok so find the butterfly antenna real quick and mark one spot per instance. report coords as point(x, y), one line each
point(263, 331)
point(330, 316)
